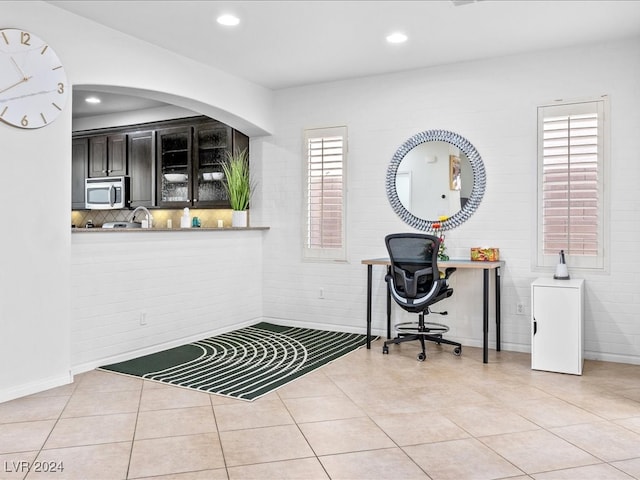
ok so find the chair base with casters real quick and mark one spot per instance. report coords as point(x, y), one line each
point(422, 331)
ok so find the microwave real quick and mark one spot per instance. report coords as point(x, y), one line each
point(106, 193)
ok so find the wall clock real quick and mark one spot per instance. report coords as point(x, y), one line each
point(33, 83)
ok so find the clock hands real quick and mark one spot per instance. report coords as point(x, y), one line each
point(24, 79)
point(24, 76)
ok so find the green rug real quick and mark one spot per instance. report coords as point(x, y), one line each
point(246, 363)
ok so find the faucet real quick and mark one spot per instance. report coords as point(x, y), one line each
point(149, 221)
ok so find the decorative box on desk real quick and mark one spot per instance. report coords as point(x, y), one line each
point(485, 254)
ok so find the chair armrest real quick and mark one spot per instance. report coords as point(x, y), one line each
point(448, 272)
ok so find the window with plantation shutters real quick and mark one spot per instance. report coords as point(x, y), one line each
point(571, 141)
point(325, 153)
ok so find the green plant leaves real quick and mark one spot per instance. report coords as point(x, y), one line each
point(238, 183)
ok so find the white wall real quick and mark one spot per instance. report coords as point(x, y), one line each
point(34, 264)
point(187, 285)
point(493, 104)
point(35, 293)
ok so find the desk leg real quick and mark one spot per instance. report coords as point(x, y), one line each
point(369, 280)
point(497, 309)
point(388, 307)
point(485, 316)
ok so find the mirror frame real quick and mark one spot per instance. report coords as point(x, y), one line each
point(477, 192)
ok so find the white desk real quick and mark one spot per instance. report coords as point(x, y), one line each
point(462, 264)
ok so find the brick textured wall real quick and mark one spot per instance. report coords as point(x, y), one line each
point(186, 284)
point(493, 104)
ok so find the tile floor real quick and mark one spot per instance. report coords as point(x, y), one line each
point(366, 416)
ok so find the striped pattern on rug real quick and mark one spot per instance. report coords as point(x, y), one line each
point(246, 363)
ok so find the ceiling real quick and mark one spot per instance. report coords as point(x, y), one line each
point(281, 44)
point(109, 103)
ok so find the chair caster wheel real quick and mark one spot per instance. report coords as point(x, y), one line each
point(457, 351)
point(385, 350)
point(421, 357)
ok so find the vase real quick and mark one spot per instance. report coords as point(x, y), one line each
point(239, 218)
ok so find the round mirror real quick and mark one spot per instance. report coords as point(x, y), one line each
point(436, 179)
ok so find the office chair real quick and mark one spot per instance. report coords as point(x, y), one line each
point(415, 284)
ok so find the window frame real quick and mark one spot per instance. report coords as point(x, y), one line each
point(324, 254)
point(598, 262)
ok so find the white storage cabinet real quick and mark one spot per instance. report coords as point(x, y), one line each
point(557, 330)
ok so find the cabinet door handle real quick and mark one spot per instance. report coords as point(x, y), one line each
point(535, 326)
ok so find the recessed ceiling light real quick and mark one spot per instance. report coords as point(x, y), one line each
point(397, 37)
point(92, 100)
point(228, 20)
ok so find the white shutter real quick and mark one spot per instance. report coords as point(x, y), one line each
point(570, 160)
point(325, 151)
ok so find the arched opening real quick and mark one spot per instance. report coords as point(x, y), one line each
point(135, 105)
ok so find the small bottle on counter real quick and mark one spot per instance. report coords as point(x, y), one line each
point(89, 224)
point(185, 220)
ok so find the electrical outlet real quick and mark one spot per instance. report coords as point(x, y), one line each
point(143, 318)
point(520, 309)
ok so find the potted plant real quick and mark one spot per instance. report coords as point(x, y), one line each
point(238, 185)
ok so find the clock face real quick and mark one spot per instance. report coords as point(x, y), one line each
point(33, 84)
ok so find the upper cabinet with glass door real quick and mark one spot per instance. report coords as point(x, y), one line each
point(190, 162)
point(211, 142)
point(174, 166)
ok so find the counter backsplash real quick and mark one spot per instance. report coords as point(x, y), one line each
point(208, 217)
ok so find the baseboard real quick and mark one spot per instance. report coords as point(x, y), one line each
point(123, 357)
point(35, 387)
point(381, 332)
point(471, 342)
point(612, 357)
point(319, 326)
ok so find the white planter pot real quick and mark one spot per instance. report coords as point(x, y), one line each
point(239, 218)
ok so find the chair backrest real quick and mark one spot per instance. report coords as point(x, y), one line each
point(414, 264)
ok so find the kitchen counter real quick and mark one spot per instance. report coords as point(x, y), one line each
point(150, 230)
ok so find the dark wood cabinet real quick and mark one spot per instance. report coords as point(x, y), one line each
point(240, 141)
point(79, 166)
point(107, 155)
point(172, 164)
point(212, 141)
point(190, 164)
point(98, 156)
point(141, 159)
point(117, 155)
